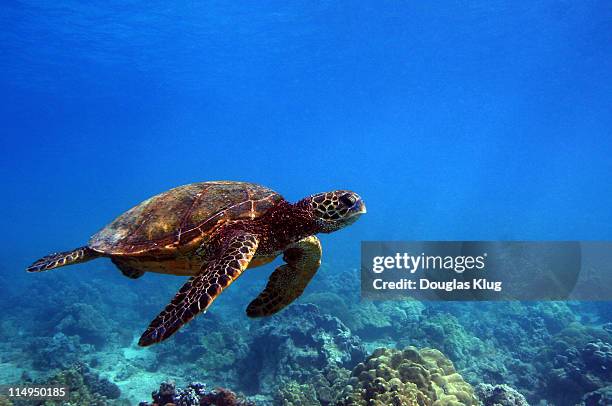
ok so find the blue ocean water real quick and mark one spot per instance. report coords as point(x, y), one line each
point(453, 120)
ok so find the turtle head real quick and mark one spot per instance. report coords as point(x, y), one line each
point(334, 210)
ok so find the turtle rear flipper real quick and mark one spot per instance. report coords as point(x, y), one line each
point(127, 270)
point(288, 281)
point(201, 290)
point(76, 256)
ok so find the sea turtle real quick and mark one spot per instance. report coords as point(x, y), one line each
point(213, 231)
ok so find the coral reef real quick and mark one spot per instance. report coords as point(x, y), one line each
point(212, 344)
point(86, 388)
point(579, 371)
point(195, 394)
point(324, 388)
point(296, 345)
point(338, 294)
point(295, 394)
point(499, 395)
point(513, 343)
point(407, 377)
point(58, 351)
point(599, 397)
point(552, 352)
point(446, 333)
point(101, 386)
point(82, 320)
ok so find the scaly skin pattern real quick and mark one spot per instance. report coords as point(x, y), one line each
point(288, 281)
point(77, 255)
point(278, 228)
point(201, 290)
point(213, 231)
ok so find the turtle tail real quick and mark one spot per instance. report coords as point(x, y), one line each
point(75, 256)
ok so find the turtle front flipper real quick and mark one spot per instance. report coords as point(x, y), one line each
point(288, 281)
point(201, 290)
point(76, 256)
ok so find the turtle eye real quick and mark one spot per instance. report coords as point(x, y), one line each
point(348, 199)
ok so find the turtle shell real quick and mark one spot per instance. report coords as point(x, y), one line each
point(181, 216)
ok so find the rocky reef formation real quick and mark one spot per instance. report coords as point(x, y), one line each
point(579, 371)
point(599, 397)
point(448, 334)
point(297, 345)
point(211, 345)
point(82, 320)
point(552, 352)
point(295, 394)
point(323, 388)
point(529, 346)
point(499, 395)
point(85, 388)
point(58, 351)
point(338, 294)
point(407, 377)
point(195, 394)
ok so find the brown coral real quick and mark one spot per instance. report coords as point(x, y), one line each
point(407, 378)
point(322, 388)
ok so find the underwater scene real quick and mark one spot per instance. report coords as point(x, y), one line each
point(280, 123)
